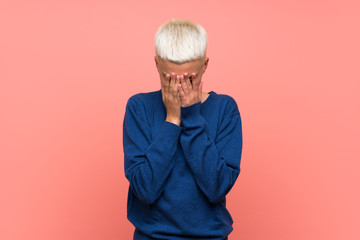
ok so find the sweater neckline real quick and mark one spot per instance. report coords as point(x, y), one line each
point(208, 99)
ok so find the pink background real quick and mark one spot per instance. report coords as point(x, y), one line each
point(67, 69)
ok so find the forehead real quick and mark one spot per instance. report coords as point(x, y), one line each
point(189, 67)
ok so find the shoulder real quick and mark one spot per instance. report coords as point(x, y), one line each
point(143, 99)
point(226, 103)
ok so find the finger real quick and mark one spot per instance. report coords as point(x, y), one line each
point(181, 91)
point(173, 77)
point(185, 85)
point(165, 83)
point(178, 79)
point(162, 90)
point(162, 86)
point(189, 82)
point(193, 76)
point(175, 87)
point(167, 77)
point(186, 76)
point(172, 81)
point(195, 85)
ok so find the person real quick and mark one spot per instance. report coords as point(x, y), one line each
point(182, 146)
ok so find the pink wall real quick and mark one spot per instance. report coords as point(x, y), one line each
point(67, 69)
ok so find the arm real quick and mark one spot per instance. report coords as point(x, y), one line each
point(215, 163)
point(148, 162)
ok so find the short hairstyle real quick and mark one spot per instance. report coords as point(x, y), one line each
point(180, 41)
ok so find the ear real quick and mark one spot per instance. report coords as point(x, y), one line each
point(156, 62)
point(206, 63)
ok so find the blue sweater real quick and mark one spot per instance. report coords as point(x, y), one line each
point(179, 175)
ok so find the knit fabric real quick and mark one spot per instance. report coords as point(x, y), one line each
point(180, 175)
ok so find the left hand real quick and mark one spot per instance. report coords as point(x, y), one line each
point(190, 93)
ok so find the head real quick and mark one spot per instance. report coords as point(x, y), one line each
point(180, 47)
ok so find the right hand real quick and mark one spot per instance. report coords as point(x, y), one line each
point(171, 98)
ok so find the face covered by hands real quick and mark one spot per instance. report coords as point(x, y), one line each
point(188, 75)
point(181, 85)
point(190, 91)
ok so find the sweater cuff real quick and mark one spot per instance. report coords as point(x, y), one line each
point(170, 131)
point(190, 116)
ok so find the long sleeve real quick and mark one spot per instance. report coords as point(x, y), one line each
point(215, 163)
point(148, 161)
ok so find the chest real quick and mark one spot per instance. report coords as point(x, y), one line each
point(158, 115)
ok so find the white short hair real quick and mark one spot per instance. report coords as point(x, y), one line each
point(181, 41)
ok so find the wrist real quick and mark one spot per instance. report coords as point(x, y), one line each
point(190, 111)
point(174, 120)
point(190, 103)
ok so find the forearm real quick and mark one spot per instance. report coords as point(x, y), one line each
point(214, 171)
point(148, 168)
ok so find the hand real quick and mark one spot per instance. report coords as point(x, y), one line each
point(190, 92)
point(171, 98)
